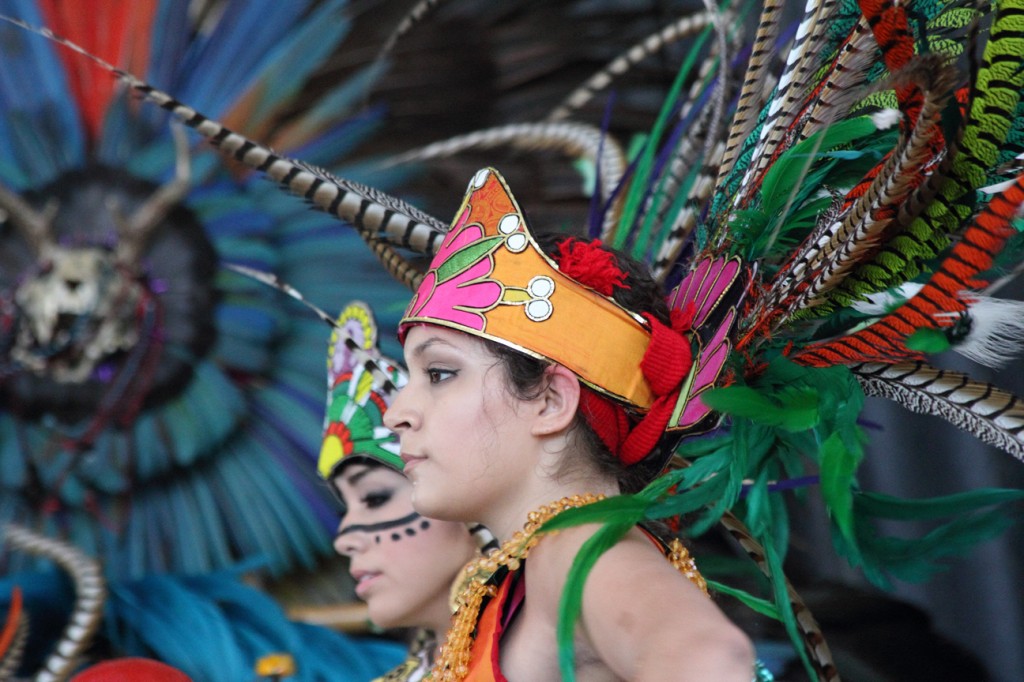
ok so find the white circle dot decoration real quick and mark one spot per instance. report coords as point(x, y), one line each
point(538, 310)
point(516, 242)
point(541, 286)
point(480, 178)
point(508, 224)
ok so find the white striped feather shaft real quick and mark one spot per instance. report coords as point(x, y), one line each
point(990, 414)
point(793, 83)
point(763, 51)
point(576, 140)
point(686, 219)
point(677, 30)
point(90, 597)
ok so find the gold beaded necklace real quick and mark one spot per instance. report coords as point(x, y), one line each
point(453, 659)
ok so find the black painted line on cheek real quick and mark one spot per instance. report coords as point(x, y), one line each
point(383, 525)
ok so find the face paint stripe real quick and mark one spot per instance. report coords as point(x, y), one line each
point(376, 527)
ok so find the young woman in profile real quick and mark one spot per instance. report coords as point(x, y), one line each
point(403, 564)
point(540, 381)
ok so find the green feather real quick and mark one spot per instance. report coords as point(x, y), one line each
point(571, 603)
point(928, 341)
point(756, 604)
point(838, 465)
point(641, 176)
point(794, 411)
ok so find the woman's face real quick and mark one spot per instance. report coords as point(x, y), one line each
point(465, 439)
point(403, 563)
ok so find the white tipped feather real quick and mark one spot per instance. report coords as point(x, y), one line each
point(996, 333)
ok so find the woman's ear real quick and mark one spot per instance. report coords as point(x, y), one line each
point(560, 400)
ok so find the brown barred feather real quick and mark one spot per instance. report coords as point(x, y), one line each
point(677, 30)
point(686, 220)
point(814, 639)
point(575, 140)
point(839, 92)
point(831, 253)
point(745, 117)
point(793, 86)
point(990, 414)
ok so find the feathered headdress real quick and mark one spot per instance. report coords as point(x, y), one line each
point(356, 400)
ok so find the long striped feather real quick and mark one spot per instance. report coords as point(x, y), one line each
point(990, 414)
point(677, 30)
point(412, 18)
point(793, 85)
point(744, 117)
point(577, 140)
point(843, 82)
point(685, 220)
point(830, 254)
point(993, 105)
point(814, 640)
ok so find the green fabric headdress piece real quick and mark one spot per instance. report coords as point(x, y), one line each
point(357, 398)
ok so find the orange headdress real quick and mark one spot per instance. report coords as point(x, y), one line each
point(489, 278)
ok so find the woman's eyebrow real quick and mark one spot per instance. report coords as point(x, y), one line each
point(427, 344)
point(357, 476)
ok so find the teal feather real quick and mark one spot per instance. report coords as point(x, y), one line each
point(884, 557)
point(293, 60)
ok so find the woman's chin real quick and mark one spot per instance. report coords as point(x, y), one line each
point(385, 618)
point(429, 503)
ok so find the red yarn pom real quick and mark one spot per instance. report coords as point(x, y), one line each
point(590, 265)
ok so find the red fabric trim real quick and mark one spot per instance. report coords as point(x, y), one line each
point(665, 365)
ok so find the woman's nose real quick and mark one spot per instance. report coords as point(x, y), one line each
point(349, 542)
point(397, 416)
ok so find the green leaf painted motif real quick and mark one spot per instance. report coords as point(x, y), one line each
point(467, 256)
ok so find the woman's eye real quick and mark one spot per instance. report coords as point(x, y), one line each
point(438, 375)
point(377, 499)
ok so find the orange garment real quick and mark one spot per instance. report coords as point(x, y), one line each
point(497, 614)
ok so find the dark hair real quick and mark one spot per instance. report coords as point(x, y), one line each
point(524, 374)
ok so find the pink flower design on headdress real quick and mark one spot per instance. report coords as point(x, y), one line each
point(458, 298)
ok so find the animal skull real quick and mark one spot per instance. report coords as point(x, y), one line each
point(79, 309)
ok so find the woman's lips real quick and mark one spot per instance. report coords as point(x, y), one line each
point(410, 461)
point(365, 581)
